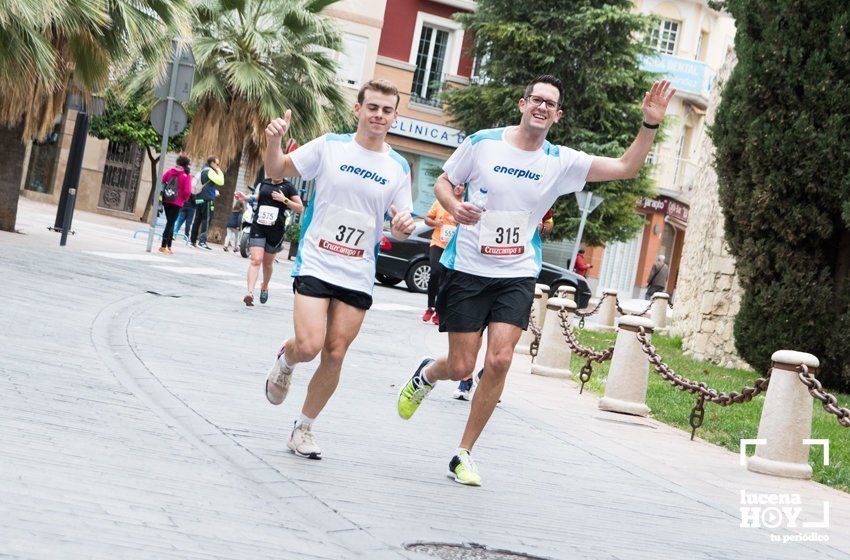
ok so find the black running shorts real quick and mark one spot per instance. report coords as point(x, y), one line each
point(311, 286)
point(468, 303)
point(270, 238)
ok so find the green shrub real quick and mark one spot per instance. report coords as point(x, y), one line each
point(293, 232)
point(782, 135)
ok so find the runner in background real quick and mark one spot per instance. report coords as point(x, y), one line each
point(444, 229)
point(270, 202)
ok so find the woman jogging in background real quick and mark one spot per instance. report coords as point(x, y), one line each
point(176, 191)
point(444, 229)
point(270, 201)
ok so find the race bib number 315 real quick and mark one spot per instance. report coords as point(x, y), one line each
point(347, 232)
point(503, 234)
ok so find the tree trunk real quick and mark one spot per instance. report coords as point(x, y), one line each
point(224, 202)
point(154, 180)
point(13, 151)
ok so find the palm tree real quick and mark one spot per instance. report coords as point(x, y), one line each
point(51, 47)
point(256, 59)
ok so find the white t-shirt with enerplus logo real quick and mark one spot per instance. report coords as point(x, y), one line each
point(341, 229)
point(521, 187)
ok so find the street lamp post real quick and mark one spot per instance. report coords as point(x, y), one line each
point(587, 203)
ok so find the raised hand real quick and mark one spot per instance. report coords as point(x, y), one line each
point(402, 222)
point(277, 129)
point(656, 100)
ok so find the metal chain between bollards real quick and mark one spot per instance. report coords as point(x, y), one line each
point(697, 415)
point(535, 330)
point(590, 313)
point(703, 391)
point(641, 314)
point(828, 400)
point(587, 353)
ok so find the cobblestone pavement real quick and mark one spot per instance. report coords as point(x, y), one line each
point(134, 425)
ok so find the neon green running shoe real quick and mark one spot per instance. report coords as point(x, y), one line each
point(411, 395)
point(462, 470)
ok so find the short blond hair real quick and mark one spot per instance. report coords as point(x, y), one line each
point(381, 86)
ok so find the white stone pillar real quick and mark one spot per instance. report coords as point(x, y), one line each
point(608, 311)
point(786, 419)
point(659, 310)
point(527, 337)
point(625, 390)
point(567, 292)
point(553, 356)
point(541, 304)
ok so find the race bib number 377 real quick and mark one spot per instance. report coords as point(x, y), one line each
point(503, 234)
point(347, 232)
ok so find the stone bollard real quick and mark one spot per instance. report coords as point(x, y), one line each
point(625, 390)
point(608, 311)
point(567, 292)
point(527, 337)
point(553, 356)
point(659, 310)
point(786, 419)
point(541, 304)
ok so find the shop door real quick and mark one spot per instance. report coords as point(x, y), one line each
point(121, 176)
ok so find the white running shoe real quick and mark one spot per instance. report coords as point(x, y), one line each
point(278, 380)
point(463, 390)
point(302, 442)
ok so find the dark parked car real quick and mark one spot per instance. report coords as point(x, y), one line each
point(408, 260)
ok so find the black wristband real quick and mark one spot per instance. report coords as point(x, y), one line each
point(650, 126)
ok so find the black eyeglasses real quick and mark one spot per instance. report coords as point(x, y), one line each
point(536, 101)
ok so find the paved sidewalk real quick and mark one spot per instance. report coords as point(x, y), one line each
point(134, 426)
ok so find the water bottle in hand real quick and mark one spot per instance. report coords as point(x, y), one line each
point(479, 199)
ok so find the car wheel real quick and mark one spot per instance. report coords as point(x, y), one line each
point(243, 245)
point(387, 280)
point(418, 277)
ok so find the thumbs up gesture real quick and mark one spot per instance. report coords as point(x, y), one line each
point(401, 223)
point(278, 128)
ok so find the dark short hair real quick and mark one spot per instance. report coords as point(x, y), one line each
point(381, 86)
point(183, 161)
point(211, 160)
point(546, 79)
point(581, 250)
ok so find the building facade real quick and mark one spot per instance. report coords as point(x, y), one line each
point(691, 41)
point(413, 43)
point(424, 51)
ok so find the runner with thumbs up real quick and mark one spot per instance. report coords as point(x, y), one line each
point(359, 179)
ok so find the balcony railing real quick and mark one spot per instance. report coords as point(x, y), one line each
point(435, 91)
point(433, 101)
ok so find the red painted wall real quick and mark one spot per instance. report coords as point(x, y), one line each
point(399, 27)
